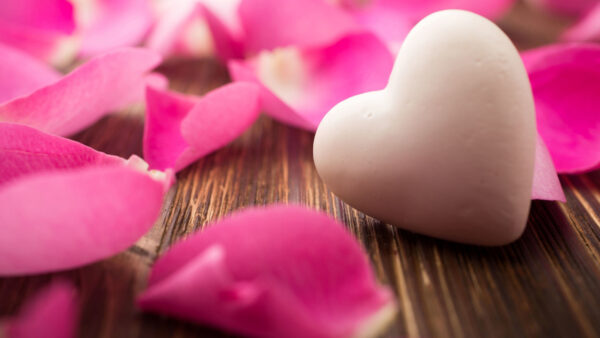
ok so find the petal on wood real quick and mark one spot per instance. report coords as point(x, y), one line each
point(181, 129)
point(52, 313)
point(546, 185)
point(279, 271)
point(22, 74)
point(587, 29)
point(565, 79)
point(109, 24)
point(26, 151)
point(573, 8)
point(102, 85)
point(299, 86)
point(40, 27)
point(65, 219)
point(298, 23)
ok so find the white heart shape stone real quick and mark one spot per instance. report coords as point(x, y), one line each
point(447, 148)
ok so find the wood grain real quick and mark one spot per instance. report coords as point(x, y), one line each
point(547, 284)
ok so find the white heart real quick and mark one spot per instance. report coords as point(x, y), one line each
point(447, 148)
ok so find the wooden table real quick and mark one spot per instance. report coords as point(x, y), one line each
point(546, 284)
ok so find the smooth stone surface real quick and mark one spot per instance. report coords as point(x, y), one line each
point(447, 149)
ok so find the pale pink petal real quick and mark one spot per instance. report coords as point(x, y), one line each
point(109, 24)
point(181, 129)
point(21, 74)
point(279, 271)
point(546, 185)
point(565, 79)
point(65, 219)
point(25, 150)
point(102, 85)
point(566, 7)
point(226, 33)
point(588, 29)
point(52, 313)
point(299, 86)
point(270, 24)
point(39, 27)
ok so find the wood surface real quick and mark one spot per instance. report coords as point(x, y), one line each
point(547, 284)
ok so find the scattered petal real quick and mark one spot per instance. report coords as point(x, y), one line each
point(109, 24)
point(42, 28)
point(299, 274)
point(588, 29)
point(299, 86)
point(298, 23)
point(565, 79)
point(78, 216)
point(104, 84)
point(25, 151)
point(51, 313)
point(21, 74)
point(546, 185)
point(181, 129)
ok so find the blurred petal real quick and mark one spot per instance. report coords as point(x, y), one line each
point(298, 23)
point(59, 220)
point(588, 29)
point(109, 24)
point(546, 185)
point(299, 86)
point(565, 79)
point(181, 129)
point(104, 84)
point(25, 150)
point(39, 27)
point(51, 313)
point(21, 74)
point(299, 274)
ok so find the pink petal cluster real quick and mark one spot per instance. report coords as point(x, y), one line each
point(181, 129)
point(565, 79)
point(80, 204)
point(65, 105)
point(299, 274)
point(51, 313)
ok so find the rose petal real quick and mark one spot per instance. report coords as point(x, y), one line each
point(105, 83)
point(21, 74)
point(299, 274)
point(39, 27)
point(181, 129)
point(51, 313)
point(588, 29)
point(391, 20)
point(299, 23)
point(570, 7)
point(77, 216)
point(299, 87)
point(25, 150)
point(109, 24)
point(546, 185)
point(565, 79)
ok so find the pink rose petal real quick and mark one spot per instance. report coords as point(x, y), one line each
point(39, 27)
point(21, 74)
point(301, 23)
point(104, 84)
point(299, 87)
point(280, 271)
point(546, 185)
point(51, 313)
point(109, 24)
point(565, 79)
point(198, 28)
point(588, 29)
point(76, 216)
point(181, 129)
point(25, 150)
